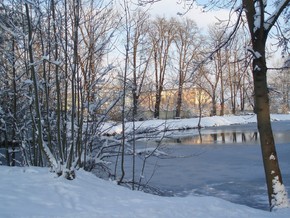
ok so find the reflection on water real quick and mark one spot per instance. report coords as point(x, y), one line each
point(229, 137)
point(214, 138)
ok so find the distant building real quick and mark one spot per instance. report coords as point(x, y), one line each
point(192, 99)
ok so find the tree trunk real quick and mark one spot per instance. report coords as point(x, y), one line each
point(157, 105)
point(213, 102)
point(220, 73)
point(42, 145)
point(277, 194)
point(199, 109)
point(179, 100)
point(14, 102)
point(71, 152)
point(135, 103)
point(57, 82)
point(270, 159)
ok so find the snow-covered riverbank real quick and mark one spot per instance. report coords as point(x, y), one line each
point(35, 192)
point(182, 124)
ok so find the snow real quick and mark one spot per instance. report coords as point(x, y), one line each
point(183, 124)
point(272, 157)
point(280, 194)
point(30, 192)
point(257, 17)
point(150, 151)
point(35, 192)
point(257, 68)
point(257, 55)
point(271, 19)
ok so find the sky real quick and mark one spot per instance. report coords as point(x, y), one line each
point(171, 8)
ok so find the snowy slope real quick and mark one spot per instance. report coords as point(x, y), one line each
point(35, 192)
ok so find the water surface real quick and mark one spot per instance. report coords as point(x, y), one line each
point(224, 162)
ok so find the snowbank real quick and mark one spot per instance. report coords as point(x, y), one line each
point(182, 124)
point(35, 192)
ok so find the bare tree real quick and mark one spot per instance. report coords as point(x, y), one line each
point(162, 35)
point(141, 55)
point(260, 25)
point(279, 81)
point(211, 87)
point(188, 45)
point(39, 126)
point(238, 81)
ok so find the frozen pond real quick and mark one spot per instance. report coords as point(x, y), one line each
point(224, 162)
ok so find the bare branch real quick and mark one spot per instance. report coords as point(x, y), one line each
point(269, 23)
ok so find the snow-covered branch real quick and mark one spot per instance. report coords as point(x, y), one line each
point(269, 23)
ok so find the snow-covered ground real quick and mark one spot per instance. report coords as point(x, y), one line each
point(182, 124)
point(35, 192)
